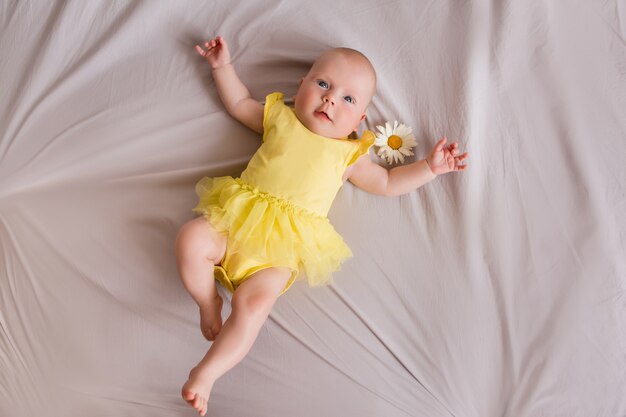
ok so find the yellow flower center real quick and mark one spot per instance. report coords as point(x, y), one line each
point(394, 142)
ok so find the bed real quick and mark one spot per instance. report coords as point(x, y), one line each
point(499, 291)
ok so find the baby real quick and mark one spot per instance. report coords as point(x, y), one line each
point(259, 232)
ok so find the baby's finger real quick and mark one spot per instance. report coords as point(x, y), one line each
point(439, 145)
point(221, 41)
point(200, 50)
point(462, 157)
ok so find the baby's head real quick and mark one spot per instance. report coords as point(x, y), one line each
point(332, 98)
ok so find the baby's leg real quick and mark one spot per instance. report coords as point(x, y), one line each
point(251, 304)
point(198, 248)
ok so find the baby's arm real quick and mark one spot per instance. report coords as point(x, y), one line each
point(403, 179)
point(232, 91)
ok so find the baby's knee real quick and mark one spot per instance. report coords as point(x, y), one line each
point(253, 303)
point(197, 239)
point(258, 294)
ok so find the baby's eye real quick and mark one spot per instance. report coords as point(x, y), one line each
point(322, 84)
point(349, 99)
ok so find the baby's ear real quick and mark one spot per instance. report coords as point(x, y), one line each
point(360, 120)
point(299, 84)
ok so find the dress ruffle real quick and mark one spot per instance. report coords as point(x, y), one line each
point(264, 226)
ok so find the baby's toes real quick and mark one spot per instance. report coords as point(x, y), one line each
point(211, 332)
point(208, 335)
point(202, 407)
point(198, 402)
point(188, 396)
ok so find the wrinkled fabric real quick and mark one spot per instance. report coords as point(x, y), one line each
point(496, 292)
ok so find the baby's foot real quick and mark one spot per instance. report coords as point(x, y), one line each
point(211, 317)
point(197, 390)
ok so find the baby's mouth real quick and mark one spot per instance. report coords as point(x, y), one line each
point(323, 115)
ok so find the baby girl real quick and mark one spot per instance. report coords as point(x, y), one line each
point(260, 232)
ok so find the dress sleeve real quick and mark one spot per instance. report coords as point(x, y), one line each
point(273, 102)
point(364, 145)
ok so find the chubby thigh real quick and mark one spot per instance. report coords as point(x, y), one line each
point(197, 238)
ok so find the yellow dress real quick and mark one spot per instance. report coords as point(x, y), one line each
point(275, 214)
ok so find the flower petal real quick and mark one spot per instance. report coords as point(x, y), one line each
point(388, 130)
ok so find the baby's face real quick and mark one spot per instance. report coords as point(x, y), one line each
point(334, 95)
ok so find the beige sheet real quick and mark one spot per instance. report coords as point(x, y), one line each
point(498, 292)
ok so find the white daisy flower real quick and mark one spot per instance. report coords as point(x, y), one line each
point(395, 142)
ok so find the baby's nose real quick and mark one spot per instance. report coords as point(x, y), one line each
point(328, 99)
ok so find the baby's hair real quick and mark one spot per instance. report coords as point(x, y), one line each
point(349, 52)
point(359, 54)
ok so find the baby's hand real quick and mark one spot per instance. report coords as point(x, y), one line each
point(446, 159)
point(216, 52)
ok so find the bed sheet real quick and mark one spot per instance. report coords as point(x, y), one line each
point(495, 292)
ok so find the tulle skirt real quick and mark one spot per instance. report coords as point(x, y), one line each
point(267, 227)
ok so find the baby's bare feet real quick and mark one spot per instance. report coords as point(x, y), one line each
point(197, 390)
point(211, 317)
